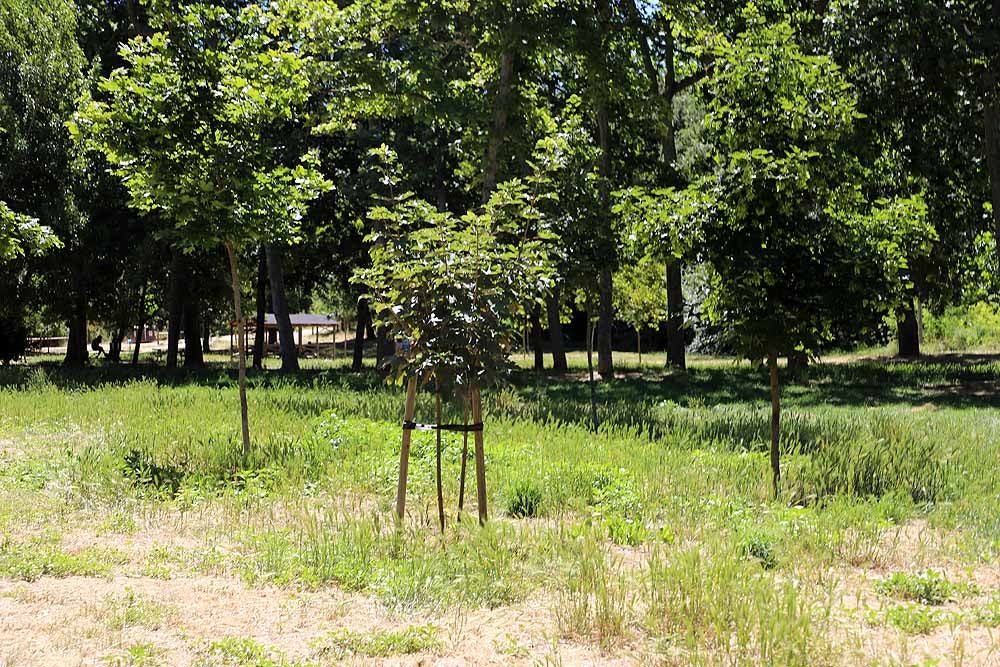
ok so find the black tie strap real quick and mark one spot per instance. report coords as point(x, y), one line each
point(460, 428)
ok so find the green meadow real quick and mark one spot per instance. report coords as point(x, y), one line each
point(652, 541)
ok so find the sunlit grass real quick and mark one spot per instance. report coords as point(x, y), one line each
point(657, 529)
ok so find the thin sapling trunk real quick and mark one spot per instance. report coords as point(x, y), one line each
point(772, 364)
point(590, 369)
point(440, 484)
point(241, 344)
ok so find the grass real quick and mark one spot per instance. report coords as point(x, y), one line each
point(655, 535)
point(928, 587)
point(344, 643)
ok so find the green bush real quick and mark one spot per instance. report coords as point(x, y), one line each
point(964, 327)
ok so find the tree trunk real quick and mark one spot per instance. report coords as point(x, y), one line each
point(241, 344)
point(605, 319)
point(798, 362)
point(772, 364)
point(193, 357)
point(115, 347)
point(590, 369)
point(76, 344)
point(286, 337)
point(536, 338)
point(552, 305)
point(206, 339)
point(501, 109)
point(662, 95)
point(175, 304)
point(383, 348)
point(140, 330)
point(605, 312)
point(909, 336)
point(261, 298)
point(638, 345)
point(991, 122)
point(675, 316)
point(357, 364)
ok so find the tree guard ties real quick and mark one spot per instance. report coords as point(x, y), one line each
point(460, 428)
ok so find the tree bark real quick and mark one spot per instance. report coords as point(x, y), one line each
point(638, 345)
point(193, 357)
point(908, 334)
point(556, 343)
point(590, 369)
point(261, 297)
point(536, 338)
point(76, 344)
point(140, 330)
point(286, 337)
point(115, 346)
point(991, 122)
point(605, 319)
point(357, 364)
point(206, 340)
point(662, 96)
point(501, 110)
point(772, 364)
point(241, 344)
point(676, 356)
point(383, 348)
point(175, 298)
point(605, 311)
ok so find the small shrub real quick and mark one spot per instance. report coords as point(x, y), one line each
point(523, 499)
point(762, 548)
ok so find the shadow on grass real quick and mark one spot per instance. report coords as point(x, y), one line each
point(629, 401)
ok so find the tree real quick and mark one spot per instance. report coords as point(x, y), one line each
point(639, 296)
point(21, 235)
point(455, 290)
point(40, 77)
point(792, 244)
point(188, 126)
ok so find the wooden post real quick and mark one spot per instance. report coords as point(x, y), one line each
point(465, 456)
point(477, 418)
point(440, 484)
point(404, 451)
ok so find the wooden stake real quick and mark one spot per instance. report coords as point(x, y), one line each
point(440, 486)
point(477, 418)
point(404, 452)
point(465, 456)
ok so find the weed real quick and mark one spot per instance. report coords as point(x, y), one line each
point(523, 499)
point(36, 558)
point(130, 609)
point(136, 655)
point(244, 652)
point(928, 587)
point(380, 643)
point(761, 548)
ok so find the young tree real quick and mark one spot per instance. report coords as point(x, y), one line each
point(792, 244)
point(189, 126)
point(455, 290)
point(639, 296)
